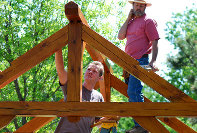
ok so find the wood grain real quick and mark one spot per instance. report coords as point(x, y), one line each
point(51, 109)
point(5, 120)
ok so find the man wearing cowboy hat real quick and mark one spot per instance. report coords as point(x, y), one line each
point(142, 39)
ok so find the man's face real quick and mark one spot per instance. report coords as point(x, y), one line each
point(139, 9)
point(92, 73)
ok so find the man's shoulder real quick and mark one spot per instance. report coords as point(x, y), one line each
point(149, 19)
point(98, 94)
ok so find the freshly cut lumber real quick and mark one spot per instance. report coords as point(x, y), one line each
point(52, 109)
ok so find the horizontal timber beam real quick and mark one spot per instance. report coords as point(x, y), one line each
point(124, 109)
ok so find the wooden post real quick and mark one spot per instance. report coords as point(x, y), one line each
point(75, 47)
point(106, 91)
point(75, 55)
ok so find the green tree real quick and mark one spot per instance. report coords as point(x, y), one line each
point(182, 33)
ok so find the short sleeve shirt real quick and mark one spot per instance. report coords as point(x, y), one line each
point(140, 32)
point(83, 126)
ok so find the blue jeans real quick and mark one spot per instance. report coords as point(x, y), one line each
point(135, 87)
point(104, 130)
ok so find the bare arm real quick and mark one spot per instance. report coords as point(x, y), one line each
point(154, 54)
point(62, 73)
point(123, 30)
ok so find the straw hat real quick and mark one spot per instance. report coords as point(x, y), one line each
point(141, 2)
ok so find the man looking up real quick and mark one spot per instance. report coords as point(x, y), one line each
point(142, 38)
point(92, 75)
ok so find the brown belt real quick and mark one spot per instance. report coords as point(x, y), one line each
point(144, 56)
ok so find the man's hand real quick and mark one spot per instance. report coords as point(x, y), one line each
point(154, 68)
point(131, 15)
point(125, 74)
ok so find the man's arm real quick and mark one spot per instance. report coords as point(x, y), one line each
point(123, 30)
point(62, 73)
point(154, 54)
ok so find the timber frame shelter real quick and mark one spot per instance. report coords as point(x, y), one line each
point(78, 35)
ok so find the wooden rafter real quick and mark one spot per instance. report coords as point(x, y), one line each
point(34, 125)
point(34, 56)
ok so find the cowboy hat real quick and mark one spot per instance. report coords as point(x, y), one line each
point(141, 2)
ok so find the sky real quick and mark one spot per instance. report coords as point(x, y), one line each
point(162, 11)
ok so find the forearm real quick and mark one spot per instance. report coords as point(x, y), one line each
point(62, 74)
point(154, 50)
point(123, 30)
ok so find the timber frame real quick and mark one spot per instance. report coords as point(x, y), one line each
point(78, 35)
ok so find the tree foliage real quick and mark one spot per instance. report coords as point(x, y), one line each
point(182, 33)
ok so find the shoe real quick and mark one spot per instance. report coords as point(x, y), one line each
point(137, 130)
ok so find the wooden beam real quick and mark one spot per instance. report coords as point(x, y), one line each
point(119, 85)
point(75, 56)
point(34, 125)
point(52, 109)
point(174, 123)
point(5, 120)
point(107, 75)
point(177, 125)
point(73, 12)
point(101, 84)
point(105, 84)
point(131, 65)
point(154, 126)
point(34, 56)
